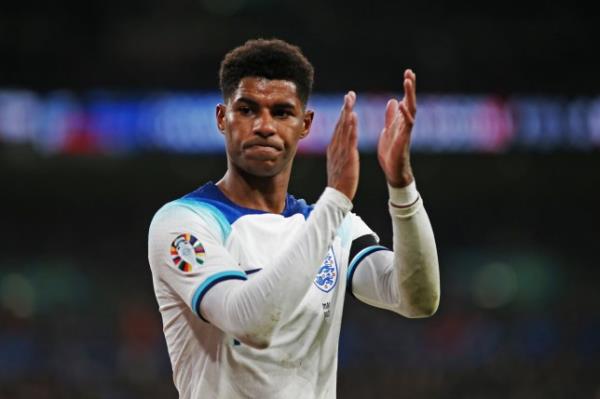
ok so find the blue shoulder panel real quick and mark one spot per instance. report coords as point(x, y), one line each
point(294, 206)
point(211, 195)
point(212, 213)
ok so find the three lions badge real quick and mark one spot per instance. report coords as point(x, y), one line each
point(327, 275)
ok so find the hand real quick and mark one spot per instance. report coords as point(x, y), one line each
point(393, 149)
point(342, 151)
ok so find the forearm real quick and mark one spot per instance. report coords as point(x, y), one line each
point(415, 264)
point(251, 310)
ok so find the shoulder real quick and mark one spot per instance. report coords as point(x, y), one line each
point(211, 197)
point(192, 212)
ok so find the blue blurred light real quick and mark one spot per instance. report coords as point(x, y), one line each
point(120, 123)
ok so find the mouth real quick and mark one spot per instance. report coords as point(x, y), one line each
point(263, 146)
point(263, 152)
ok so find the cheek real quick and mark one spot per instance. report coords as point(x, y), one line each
point(293, 132)
point(233, 143)
point(235, 132)
point(293, 143)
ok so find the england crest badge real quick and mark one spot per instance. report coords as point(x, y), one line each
point(327, 275)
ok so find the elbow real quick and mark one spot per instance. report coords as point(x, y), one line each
point(420, 296)
point(259, 334)
point(422, 310)
point(256, 342)
point(253, 329)
point(421, 306)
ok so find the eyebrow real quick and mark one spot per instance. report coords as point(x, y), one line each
point(279, 105)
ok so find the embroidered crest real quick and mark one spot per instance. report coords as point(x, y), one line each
point(187, 251)
point(327, 275)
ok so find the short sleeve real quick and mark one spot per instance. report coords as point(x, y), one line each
point(186, 250)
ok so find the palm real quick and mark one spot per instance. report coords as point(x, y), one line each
point(393, 149)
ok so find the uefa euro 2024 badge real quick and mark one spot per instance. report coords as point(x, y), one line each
point(187, 252)
point(327, 275)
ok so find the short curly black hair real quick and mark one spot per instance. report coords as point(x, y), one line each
point(270, 59)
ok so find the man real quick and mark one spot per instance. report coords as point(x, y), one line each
point(251, 281)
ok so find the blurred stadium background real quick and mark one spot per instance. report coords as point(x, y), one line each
point(106, 112)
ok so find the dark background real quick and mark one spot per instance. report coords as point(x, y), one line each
point(517, 233)
point(500, 47)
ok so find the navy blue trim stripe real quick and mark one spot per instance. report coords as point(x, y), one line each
point(356, 261)
point(252, 270)
point(360, 243)
point(211, 282)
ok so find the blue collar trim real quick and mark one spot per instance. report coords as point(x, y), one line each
point(211, 194)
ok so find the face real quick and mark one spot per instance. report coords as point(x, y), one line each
point(262, 121)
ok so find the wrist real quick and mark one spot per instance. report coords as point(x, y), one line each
point(403, 196)
point(337, 197)
point(401, 181)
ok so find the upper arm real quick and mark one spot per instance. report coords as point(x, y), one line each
point(405, 281)
point(370, 268)
point(186, 252)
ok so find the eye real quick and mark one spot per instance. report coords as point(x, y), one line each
point(244, 110)
point(282, 113)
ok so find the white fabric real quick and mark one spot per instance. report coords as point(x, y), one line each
point(281, 304)
point(286, 307)
point(405, 195)
point(404, 281)
point(250, 311)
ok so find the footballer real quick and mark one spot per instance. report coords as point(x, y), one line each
point(250, 280)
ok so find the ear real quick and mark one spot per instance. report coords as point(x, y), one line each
point(307, 123)
point(220, 114)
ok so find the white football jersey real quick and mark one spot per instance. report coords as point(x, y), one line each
point(203, 239)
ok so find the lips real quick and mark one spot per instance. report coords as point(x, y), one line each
point(263, 144)
point(262, 152)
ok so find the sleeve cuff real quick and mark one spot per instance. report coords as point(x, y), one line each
point(405, 196)
point(404, 202)
point(335, 197)
point(356, 260)
point(211, 282)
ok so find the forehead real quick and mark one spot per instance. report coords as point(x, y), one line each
point(267, 91)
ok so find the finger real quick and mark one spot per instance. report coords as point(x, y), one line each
point(341, 119)
point(390, 112)
point(348, 113)
point(409, 74)
point(352, 99)
point(408, 116)
point(410, 94)
point(349, 101)
point(353, 129)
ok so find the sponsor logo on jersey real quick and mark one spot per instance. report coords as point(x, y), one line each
point(327, 275)
point(186, 252)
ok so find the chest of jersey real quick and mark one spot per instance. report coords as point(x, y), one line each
point(256, 241)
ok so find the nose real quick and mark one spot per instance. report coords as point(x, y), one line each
point(264, 124)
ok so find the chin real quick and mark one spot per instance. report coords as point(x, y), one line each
point(263, 172)
point(262, 168)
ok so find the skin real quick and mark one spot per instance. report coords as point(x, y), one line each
point(263, 122)
point(393, 149)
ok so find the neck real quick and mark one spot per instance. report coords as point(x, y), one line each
point(256, 192)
